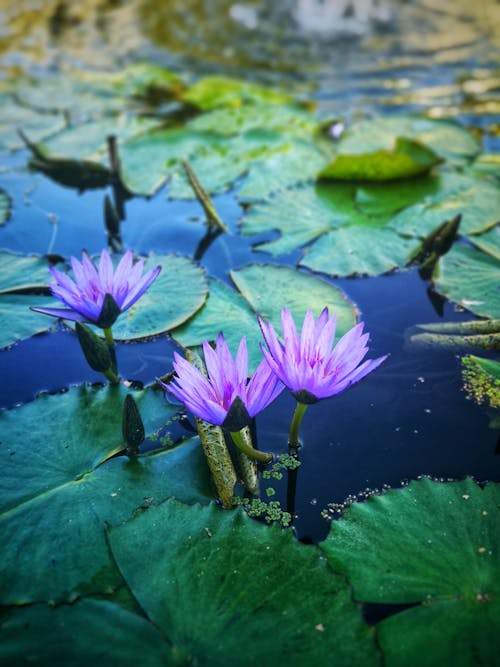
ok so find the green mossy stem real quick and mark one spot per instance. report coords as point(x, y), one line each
point(113, 371)
point(246, 448)
point(293, 438)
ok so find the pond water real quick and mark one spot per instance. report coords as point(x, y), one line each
point(413, 416)
point(331, 65)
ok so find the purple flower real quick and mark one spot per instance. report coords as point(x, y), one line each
point(97, 295)
point(226, 397)
point(308, 365)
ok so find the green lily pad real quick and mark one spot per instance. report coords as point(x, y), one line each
point(297, 162)
point(224, 310)
point(269, 288)
point(21, 272)
point(18, 322)
point(432, 543)
point(360, 251)
point(488, 242)
point(263, 289)
point(470, 278)
point(88, 141)
point(301, 216)
point(35, 124)
point(445, 138)
point(284, 119)
point(61, 482)
point(220, 585)
point(148, 159)
point(482, 380)
point(216, 91)
point(177, 293)
point(5, 206)
point(475, 199)
point(87, 632)
point(405, 160)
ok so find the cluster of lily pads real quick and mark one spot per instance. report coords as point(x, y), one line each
point(132, 551)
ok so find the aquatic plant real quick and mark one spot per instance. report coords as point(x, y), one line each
point(226, 398)
point(308, 365)
point(97, 295)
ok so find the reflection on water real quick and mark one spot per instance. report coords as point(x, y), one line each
point(362, 55)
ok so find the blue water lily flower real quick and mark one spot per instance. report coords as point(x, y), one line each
point(309, 365)
point(225, 397)
point(98, 295)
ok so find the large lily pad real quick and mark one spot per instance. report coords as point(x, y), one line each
point(35, 124)
point(61, 482)
point(21, 272)
point(432, 543)
point(216, 91)
point(476, 200)
point(87, 632)
point(18, 322)
point(471, 278)
point(270, 288)
point(149, 158)
point(444, 137)
point(263, 289)
point(406, 159)
point(227, 311)
point(359, 250)
point(219, 585)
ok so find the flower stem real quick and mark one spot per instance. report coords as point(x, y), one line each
point(293, 438)
point(112, 376)
point(108, 334)
point(246, 448)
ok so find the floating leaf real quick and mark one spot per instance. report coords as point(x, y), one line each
point(406, 159)
point(264, 289)
point(300, 215)
point(432, 543)
point(297, 162)
point(215, 91)
point(18, 322)
point(488, 242)
point(444, 137)
point(220, 585)
point(287, 120)
point(21, 272)
point(476, 200)
point(149, 158)
point(87, 632)
point(178, 292)
point(471, 278)
point(35, 124)
point(61, 481)
point(356, 250)
point(224, 310)
point(270, 288)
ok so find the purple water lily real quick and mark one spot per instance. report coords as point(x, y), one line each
point(226, 397)
point(97, 295)
point(309, 365)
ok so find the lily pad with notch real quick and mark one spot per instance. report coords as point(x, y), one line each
point(217, 580)
point(62, 480)
point(445, 563)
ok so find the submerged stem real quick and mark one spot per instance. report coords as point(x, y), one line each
point(246, 448)
point(108, 335)
point(293, 438)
